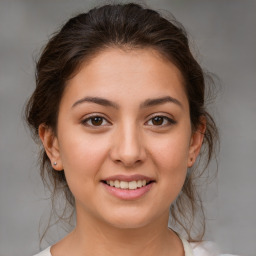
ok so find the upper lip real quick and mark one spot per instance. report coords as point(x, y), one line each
point(128, 178)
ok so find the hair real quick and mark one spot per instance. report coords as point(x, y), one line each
point(126, 26)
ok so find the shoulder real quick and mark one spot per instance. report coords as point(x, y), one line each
point(206, 248)
point(45, 252)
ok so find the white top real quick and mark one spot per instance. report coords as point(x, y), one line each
point(191, 249)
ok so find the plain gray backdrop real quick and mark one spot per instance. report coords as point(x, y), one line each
point(224, 32)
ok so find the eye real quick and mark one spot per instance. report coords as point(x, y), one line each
point(161, 121)
point(95, 121)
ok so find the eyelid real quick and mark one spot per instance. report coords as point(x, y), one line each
point(88, 117)
point(170, 120)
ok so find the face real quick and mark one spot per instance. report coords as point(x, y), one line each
point(124, 137)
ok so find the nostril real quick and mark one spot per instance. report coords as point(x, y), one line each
point(128, 163)
point(127, 152)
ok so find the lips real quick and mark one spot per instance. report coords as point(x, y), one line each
point(128, 187)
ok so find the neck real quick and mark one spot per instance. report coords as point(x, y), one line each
point(94, 237)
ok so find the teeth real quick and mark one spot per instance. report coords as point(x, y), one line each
point(127, 185)
point(116, 183)
point(139, 183)
point(132, 185)
point(124, 184)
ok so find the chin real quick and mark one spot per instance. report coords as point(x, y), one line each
point(128, 219)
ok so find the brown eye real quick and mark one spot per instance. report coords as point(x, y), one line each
point(161, 121)
point(96, 121)
point(157, 120)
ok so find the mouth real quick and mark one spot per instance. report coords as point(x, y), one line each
point(130, 187)
point(127, 185)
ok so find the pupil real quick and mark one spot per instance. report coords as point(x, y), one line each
point(157, 120)
point(97, 120)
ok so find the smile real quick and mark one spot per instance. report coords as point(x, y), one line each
point(127, 185)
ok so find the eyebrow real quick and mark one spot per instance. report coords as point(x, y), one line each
point(145, 104)
point(97, 100)
point(158, 101)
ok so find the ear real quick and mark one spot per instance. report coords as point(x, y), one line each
point(51, 146)
point(196, 142)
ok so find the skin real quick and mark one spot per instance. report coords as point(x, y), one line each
point(127, 142)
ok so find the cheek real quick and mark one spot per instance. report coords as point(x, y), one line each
point(82, 156)
point(171, 152)
point(172, 166)
point(170, 157)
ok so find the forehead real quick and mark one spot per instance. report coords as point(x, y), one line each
point(116, 73)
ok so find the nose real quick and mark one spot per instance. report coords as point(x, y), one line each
point(128, 146)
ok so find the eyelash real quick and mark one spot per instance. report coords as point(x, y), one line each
point(165, 119)
point(85, 121)
point(169, 121)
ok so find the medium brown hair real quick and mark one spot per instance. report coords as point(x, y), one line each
point(127, 26)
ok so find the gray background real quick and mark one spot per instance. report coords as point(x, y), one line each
point(224, 32)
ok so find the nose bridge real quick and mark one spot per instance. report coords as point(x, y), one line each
point(128, 147)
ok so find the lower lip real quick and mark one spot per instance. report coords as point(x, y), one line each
point(128, 194)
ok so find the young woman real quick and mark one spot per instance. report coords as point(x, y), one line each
point(119, 107)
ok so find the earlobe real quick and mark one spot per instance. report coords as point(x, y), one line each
point(51, 146)
point(196, 143)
